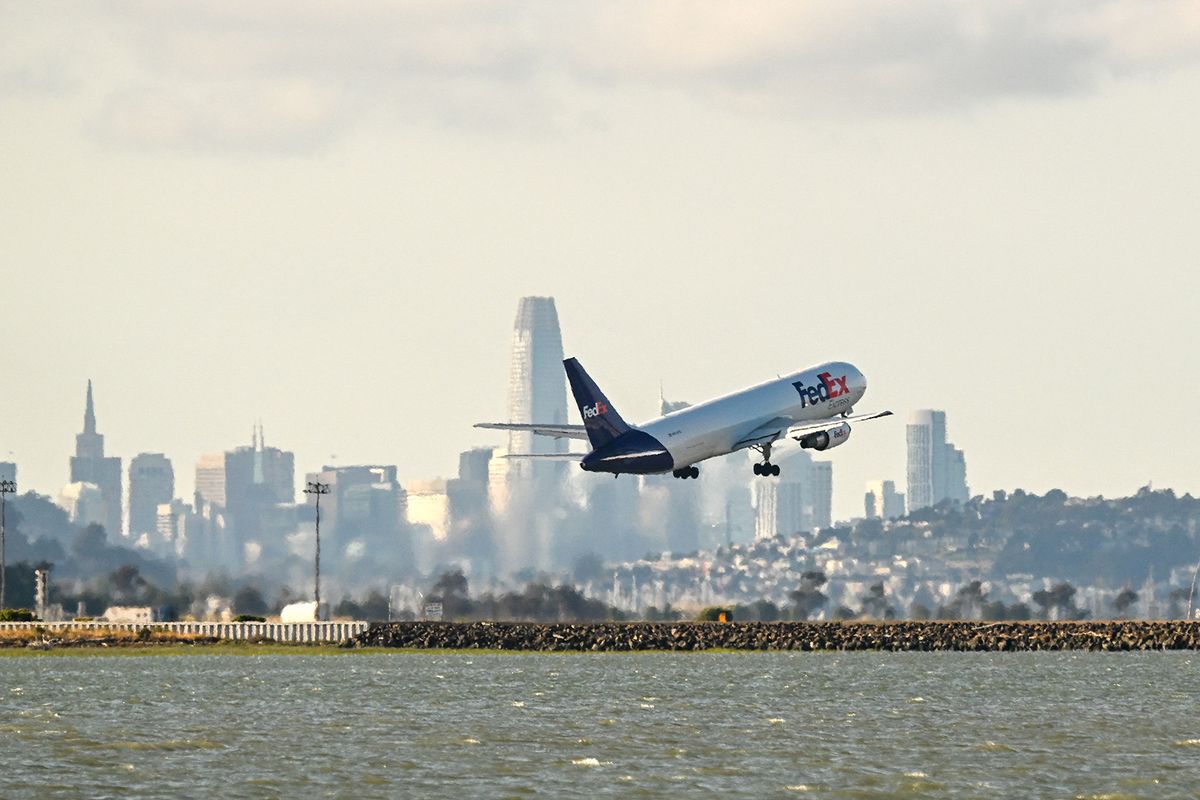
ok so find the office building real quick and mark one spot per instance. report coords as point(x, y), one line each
point(151, 484)
point(784, 505)
point(248, 494)
point(822, 494)
point(84, 503)
point(882, 501)
point(8, 471)
point(937, 470)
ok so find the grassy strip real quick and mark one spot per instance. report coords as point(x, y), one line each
point(205, 648)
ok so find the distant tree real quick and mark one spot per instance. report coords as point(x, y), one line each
point(808, 598)
point(89, 541)
point(347, 608)
point(994, 611)
point(875, 605)
point(1019, 611)
point(919, 611)
point(248, 600)
point(968, 603)
point(1058, 601)
point(128, 585)
point(1177, 602)
point(843, 613)
point(1124, 600)
point(451, 591)
point(375, 606)
point(763, 611)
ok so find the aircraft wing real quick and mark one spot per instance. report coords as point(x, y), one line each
point(557, 431)
point(825, 423)
point(786, 426)
point(765, 433)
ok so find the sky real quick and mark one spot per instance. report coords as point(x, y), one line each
point(323, 216)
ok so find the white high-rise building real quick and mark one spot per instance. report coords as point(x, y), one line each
point(937, 470)
point(784, 505)
point(822, 494)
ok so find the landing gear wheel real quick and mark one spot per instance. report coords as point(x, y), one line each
point(758, 468)
point(775, 470)
point(694, 472)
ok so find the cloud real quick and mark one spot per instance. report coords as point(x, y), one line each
point(293, 76)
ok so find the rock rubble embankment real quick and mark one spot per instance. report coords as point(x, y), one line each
point(893, 636)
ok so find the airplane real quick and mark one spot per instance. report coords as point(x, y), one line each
point(813, 406)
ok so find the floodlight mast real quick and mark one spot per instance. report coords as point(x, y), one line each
point(6, 488)
point(317, 488)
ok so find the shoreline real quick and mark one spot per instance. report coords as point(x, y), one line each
point(634, 637)
point(899, 636)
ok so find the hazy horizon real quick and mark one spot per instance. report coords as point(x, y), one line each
point(324, 217)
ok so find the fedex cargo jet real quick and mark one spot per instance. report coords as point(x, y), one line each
point(813, 406)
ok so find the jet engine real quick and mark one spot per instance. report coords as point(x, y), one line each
point(826, 439)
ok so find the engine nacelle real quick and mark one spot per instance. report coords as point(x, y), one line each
point(826, 439)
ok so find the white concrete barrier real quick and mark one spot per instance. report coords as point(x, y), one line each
point(305, 632)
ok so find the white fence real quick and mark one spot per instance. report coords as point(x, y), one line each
point(299, 632)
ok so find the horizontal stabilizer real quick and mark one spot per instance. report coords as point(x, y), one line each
point(548, 456)
point(557, 431)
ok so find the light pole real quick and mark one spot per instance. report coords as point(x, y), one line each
point(6, 488)
point(317, 488)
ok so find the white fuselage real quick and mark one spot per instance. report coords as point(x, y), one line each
point(715, 427)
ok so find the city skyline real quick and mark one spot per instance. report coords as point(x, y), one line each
point(998, 212)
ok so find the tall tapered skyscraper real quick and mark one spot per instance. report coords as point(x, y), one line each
point(536, 384)
point(525, 492)
point(89, 465)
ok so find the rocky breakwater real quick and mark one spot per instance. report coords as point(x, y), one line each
point(894, 636)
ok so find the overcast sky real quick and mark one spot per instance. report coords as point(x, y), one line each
point(324, 214)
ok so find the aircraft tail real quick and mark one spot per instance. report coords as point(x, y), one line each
point(600, 419)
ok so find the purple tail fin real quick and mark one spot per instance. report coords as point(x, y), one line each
point(600, 419)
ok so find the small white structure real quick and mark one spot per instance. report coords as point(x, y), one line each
point(300, 612)
point(140, 615)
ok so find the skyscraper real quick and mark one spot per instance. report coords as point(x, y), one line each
point(525, 492)
point(536, 383)
point(937, 470)
point(151, 484)
point(250, 491)
point(8, 471)
point(822, 494)
point(784, 505)
point(89, 465)
point(882, 501)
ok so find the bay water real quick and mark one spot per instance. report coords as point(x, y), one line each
point(465, 725)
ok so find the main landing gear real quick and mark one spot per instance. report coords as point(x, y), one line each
point(766, 468)
point(687, 472)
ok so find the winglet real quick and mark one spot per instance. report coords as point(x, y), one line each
point(600, 419)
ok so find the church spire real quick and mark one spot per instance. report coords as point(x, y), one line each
point(89, 414)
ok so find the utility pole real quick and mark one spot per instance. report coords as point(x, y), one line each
point(6, 488)
point(317, 488)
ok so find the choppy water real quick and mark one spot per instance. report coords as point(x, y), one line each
point(617, 725)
